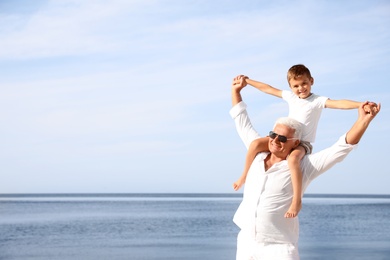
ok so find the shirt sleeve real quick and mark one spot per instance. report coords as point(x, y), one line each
point(286, 95)
point(322, 100)
point(318, 163)
point(243, 124)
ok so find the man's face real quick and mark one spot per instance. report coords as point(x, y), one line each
point(301, 86)
point(282, 149)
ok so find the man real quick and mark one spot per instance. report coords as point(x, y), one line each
point(265, 232)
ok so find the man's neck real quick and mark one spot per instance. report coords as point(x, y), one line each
point(271, 159)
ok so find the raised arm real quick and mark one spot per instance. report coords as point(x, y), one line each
point(237, 85)
point(318, 163)
point(364, 119)
point(239, 114)
point(342, 104)
point(264, 87)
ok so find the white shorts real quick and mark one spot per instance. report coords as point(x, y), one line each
point(307, 146)
point(249, 249)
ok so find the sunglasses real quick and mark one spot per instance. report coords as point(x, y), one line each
point(281, 138)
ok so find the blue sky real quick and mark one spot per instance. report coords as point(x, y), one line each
point(133, 96)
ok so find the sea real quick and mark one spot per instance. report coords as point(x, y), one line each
point(179, 226)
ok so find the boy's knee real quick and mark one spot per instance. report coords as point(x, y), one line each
point(296, 155)
point(260, 144)
point(293, 157)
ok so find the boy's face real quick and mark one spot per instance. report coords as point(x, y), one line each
point(301, 86)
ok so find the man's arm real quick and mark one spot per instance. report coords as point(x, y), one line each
point(315, 164)
point(239, 114)
point(237, 85)
point(366, 115)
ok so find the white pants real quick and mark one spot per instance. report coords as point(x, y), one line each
point(249, 249)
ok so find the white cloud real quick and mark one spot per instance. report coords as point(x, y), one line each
point(60, 28)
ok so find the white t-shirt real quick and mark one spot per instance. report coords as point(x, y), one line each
point(307, 111)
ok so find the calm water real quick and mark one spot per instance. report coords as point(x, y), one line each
point(179, 226)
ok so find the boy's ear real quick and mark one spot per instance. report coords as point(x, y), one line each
point(312, 81)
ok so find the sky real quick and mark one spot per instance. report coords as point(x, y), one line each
point(129, 96)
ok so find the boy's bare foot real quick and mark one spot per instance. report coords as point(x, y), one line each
point(293, 211)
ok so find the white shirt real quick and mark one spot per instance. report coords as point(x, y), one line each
point(307, 111)
point(268, 194)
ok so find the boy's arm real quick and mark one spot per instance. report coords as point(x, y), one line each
point(342, 104)
point(264, 87)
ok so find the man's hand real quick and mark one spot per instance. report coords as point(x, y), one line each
point(367, 112)
point(238, 84)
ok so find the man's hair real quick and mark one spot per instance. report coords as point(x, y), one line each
point(291, 123)
point(298, 71)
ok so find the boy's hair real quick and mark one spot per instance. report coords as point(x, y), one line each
point(291, 123)
point(298, 71)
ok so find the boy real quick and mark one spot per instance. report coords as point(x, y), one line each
point(305, 107)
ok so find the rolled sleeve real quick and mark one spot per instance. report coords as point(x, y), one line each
point(318, 163)
point(243, 124)
point(237, 109)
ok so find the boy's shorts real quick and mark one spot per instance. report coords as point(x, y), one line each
point(307, 146)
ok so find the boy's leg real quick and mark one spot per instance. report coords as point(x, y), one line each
point(257, 146)
point(294, 163)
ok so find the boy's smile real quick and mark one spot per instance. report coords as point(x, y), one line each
point(301, 86)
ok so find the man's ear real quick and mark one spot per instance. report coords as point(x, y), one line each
point(296, 143)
